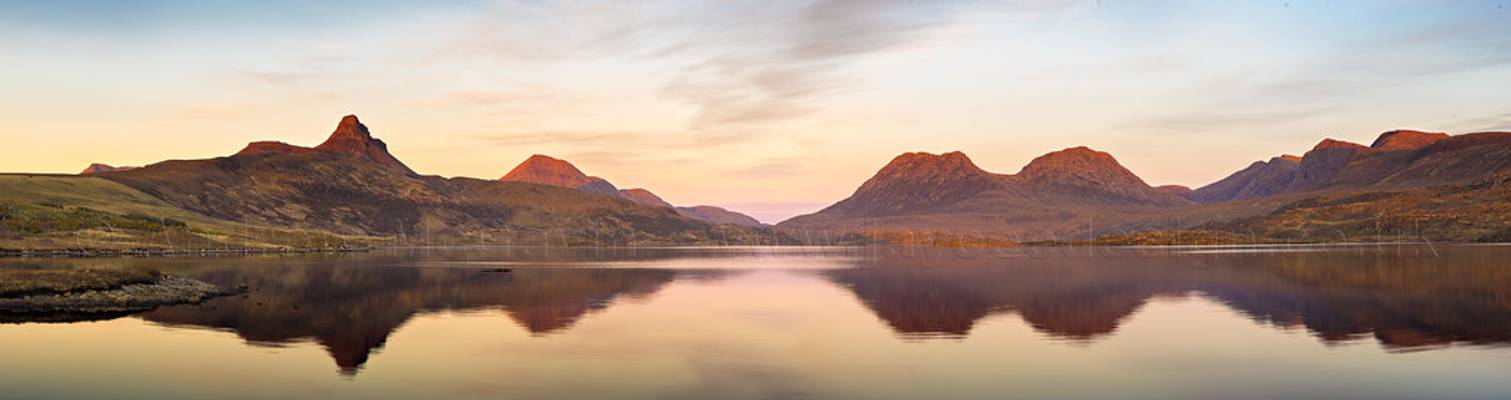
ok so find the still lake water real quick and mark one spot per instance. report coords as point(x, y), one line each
point(1373, 322)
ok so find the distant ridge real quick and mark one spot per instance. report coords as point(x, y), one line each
point(1399, 158)
point(98, 168)
point(1406, 140)
point(947, 194)
point(546, 170)
point(1081, 193)
point(922, 183)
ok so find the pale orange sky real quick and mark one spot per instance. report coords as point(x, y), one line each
point(772, 109)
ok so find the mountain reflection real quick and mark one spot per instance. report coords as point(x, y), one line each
point(1405, 301)
point(350, 305)
point(352, 310)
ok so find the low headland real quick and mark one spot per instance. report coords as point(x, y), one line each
point(81, 294)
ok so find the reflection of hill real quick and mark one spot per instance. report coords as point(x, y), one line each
point(1404, 301)
point(352, 310)
point(1076, 299)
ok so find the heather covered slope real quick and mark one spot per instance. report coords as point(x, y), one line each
point(1470, 211)
point(89, 214)
point(1080, 193)
point(719, 215)
point(1397, 159)
point(1262, 178)
point(352, 188)
point(1478, 210)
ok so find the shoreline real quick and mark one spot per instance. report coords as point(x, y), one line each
point(105, 253)
point(100, 253)
point(72, 295)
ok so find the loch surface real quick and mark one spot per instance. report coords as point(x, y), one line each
point(1335, 322)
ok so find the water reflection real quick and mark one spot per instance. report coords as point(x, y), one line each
point(351, 304)
point(352, 310)
point(1405, 301)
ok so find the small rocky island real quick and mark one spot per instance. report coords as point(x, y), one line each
point(61, 295)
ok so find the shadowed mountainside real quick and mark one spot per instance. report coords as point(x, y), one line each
point(1397, 159)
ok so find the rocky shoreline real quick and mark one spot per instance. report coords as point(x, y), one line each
point(113, 297)
point(92, 253)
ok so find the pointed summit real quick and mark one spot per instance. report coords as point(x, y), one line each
point(546, 170)
point(352, 137)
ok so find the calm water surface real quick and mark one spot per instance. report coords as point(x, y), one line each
point(826, 323)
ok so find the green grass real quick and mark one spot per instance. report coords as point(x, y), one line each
point(34, 218)
point(24, 282)
point(52, 212)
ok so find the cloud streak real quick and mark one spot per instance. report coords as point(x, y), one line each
point(784, 58)
point(738, 65)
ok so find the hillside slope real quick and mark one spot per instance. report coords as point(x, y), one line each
point(359, 189)
point(46, 213)
point(551, 171)
point(1396, 159)
point(1061, 193)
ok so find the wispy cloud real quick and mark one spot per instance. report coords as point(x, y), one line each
point(739, 65)
point(1333, 80)
point(1500, 122)
point(783, 58)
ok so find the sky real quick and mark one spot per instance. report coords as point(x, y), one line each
point(770, 108)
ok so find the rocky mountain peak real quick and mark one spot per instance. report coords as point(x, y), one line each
point(352, 137)
point(920, 168)
point(1080, 166)
point(1330, 143)
point(546, 170)
point(1406, 140)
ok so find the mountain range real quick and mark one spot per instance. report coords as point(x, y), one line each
point(351, 185)
point(1406, 184)
point(546, 170)
point(1079, 193)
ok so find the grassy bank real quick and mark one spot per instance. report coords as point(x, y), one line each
point(45, 215)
